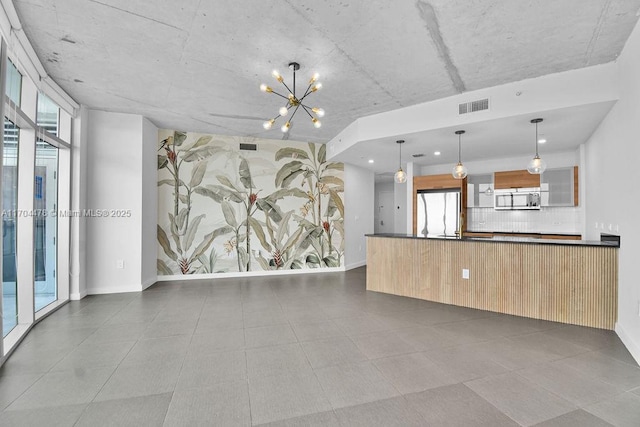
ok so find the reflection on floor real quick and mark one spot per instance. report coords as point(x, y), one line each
point(316, 349)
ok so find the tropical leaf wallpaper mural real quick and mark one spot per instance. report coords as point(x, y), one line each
point(222, 209)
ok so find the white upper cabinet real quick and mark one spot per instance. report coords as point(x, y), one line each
point(557, 187)
point(480, 191)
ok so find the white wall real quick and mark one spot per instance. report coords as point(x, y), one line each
point(114, 182)
point(149, 272)
point(400, 207)
point(78, 240)
point(358, 214)
point(611, 197)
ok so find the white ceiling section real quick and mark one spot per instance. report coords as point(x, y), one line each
point(197, 65)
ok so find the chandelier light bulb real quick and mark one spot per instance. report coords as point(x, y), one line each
point(277, 75)
point(316, 123)
point(283, 111)
point(316, 87)
point(319, 111)
point(268, 124)
point(285, 127)
point(265, 88)
point(314, 78)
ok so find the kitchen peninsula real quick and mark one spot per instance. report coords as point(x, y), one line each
point(568, 281)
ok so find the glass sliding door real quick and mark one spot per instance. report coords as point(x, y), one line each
point(45, 224)
point(9, 231)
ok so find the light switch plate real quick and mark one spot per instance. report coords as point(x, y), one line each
point(465, 273)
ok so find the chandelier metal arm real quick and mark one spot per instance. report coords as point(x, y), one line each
point(281, 96)
point(290, 91)
point(294, 112)
point(307, 91)
point(306, 110)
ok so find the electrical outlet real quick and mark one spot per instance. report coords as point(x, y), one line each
point(120, 263)
point(465, 273)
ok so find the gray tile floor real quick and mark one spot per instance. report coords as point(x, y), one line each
point(315, 349)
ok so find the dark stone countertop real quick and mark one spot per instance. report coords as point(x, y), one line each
point(504, 239)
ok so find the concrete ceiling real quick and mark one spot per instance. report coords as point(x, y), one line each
point(197, 65)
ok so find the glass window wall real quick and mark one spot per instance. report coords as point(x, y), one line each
point(45, 224)
point(14, 83)
point(9, 231)
point(47, 115)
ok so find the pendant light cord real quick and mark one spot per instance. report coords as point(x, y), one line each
point(294, 82)
point(400, 157)
point(537, 139)
point(459, 148)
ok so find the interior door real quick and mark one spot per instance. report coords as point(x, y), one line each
point(384, 213)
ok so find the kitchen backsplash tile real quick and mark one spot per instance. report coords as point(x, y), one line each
point(546, 220)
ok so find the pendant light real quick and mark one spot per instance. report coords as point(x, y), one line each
point(459, 170)
point(400, 177)
point(536, 165)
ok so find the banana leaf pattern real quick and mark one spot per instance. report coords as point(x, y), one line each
point(222, 209)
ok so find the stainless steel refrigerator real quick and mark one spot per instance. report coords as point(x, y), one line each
point(438, 213)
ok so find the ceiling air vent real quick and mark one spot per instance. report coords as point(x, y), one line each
point(473, 106)
point(250, 147)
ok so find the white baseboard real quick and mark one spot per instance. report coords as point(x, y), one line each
point(356, 264)
point(148, 282)
point(249, 274)
point(114, 290)
point(632, 346)
point(77, 296)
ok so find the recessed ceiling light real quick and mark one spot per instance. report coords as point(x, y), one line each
point(436, 153)
point(542, 140)
point(370, 160)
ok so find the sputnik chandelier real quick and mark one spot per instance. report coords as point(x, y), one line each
point(293, 101)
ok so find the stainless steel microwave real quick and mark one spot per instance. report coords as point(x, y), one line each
point(517, 198)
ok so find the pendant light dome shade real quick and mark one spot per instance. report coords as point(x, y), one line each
point(459, 170)
point(400, 177)
point(536, 166)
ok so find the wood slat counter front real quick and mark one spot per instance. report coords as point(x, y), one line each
point(567, 281)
